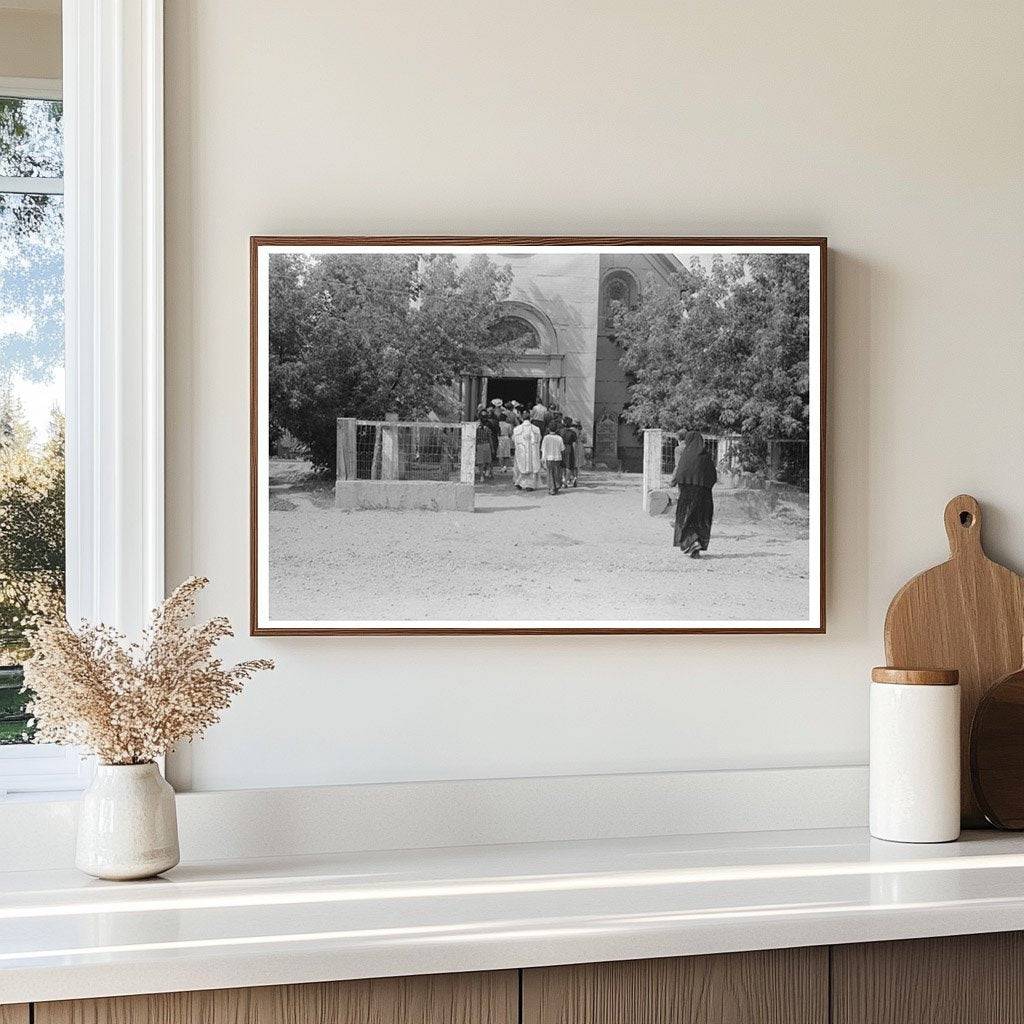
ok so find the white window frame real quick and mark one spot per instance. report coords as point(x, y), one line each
point(114, 325)
point(32, 88)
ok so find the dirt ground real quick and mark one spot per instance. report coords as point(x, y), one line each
point(587, 553)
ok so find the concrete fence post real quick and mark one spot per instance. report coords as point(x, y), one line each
point(346, 455)
point(467, 460)
point(652, 466)
point(726, 465)
point(389, 456)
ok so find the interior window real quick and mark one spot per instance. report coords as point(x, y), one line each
point(31, 386)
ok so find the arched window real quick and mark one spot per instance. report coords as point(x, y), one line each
point(620, 287)
point(518, 332)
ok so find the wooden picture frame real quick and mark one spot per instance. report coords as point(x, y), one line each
point(262, 623)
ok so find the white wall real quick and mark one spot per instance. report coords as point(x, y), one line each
point(895, 129)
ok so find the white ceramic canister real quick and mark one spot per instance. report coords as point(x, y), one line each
point(127, 825)
point(915, 755)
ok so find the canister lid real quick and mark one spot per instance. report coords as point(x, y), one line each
point(916, 676)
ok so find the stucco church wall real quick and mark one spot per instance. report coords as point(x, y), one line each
point(565, 287)
point(611, 389)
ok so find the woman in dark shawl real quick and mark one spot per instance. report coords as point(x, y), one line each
point(485, 446)
point(694, 476)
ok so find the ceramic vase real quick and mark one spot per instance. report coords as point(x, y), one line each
point(127, 825)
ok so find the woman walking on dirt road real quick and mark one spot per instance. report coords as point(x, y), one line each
point(694, 475)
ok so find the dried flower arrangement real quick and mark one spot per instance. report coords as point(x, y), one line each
point(129, 703)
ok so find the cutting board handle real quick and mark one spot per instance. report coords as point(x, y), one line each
point(963, 526)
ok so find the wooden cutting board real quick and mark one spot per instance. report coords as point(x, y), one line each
point(967, 614)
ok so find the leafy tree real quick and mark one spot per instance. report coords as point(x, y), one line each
point(370, 334)
point(31, 549)
point(726, 353)
point(31, 138)
point(31, 526)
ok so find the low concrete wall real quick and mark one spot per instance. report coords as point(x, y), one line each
point(404, 494)
point(754, 502)
point(657, 502)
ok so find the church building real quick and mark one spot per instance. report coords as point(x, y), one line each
point(560, 301)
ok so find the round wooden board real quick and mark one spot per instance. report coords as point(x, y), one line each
point(997, 752)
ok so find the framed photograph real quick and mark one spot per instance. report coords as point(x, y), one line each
point(537, 435)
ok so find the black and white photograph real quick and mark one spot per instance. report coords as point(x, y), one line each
point(562, 435)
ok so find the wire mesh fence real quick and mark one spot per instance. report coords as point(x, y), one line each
point(670, 446)
point(430, 450)
point(389, 450)
point(778, 461)
point(789, 462)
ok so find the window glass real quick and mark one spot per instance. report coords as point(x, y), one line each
point(31, 387)
point(31, 138)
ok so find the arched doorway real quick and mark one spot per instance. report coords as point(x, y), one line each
point(536, 372)
point(512, 390)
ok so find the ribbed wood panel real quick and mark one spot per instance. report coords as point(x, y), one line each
point(963, 979)
point(14, 1013)
point(482, 998)
point(779, 986)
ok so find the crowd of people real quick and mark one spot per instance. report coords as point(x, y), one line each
point(533, 442)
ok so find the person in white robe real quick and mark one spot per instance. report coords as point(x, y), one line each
point(526, 465)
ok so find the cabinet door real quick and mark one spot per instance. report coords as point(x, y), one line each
point(482, 998)
point(962, 979)
point(14, 1013)
point(777, 986)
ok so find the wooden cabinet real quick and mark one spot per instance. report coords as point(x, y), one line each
point(970, 979)
point(777, 986)
point(963, 979)
point(483, 998)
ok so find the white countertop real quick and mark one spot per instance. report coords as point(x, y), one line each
point(261, 922)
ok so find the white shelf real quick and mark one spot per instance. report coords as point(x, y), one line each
point(351, 915)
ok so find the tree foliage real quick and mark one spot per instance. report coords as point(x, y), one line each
point(725, 353)
point(31, 526)
point(370, 334)
point(31, 138)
